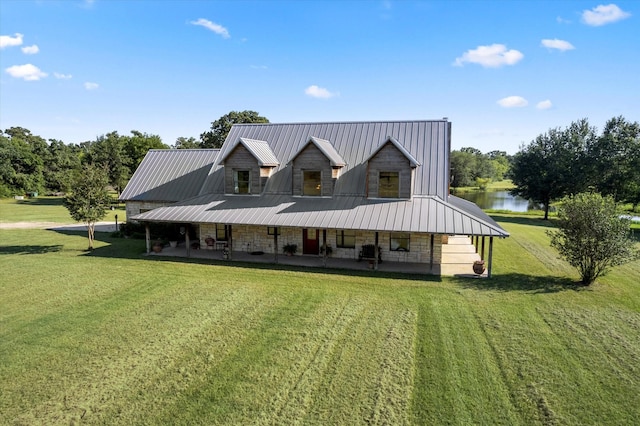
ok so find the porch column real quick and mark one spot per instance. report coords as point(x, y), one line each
point(431, 253)
point(482, 253)
point(275, 244)
point(324, 244)
point(229, 241)
point(490, 257)
point(187, 240)
point(375, 253)
point(147, 237)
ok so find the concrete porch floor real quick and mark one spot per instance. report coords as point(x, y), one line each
point(457, 260)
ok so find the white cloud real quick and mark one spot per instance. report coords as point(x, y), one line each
point(60, 76)
point(216, 28)
point(259, 67)
point(27, 72)
point(319, 92)
point(493, 56)
point(544, 104)
point(602, 15)
point(513, 102)
point(557, 44)
point(91, 86)
point(561, 20)
point(6, 41)
point(30, 50)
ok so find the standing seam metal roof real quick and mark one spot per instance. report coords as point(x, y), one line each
point(170, 175)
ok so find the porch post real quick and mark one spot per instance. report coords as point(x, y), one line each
point(187, 240)
point(482, 253)
point(431, 253)
point(324, 244)
point(147, 236)
point(490, 256)
point(375, 253)
point(275, 244)
point(229, 241)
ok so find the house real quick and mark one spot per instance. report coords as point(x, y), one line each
point(383, 186)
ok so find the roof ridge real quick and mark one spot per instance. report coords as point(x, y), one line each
point(442, 120)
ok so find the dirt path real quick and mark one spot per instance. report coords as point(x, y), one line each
point(100, 226)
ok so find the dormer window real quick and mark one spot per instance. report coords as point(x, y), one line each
point(389, 185)
point(242, 181)
point(312, 183)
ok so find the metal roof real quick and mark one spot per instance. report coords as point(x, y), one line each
point(259, 149)
point(426, 141)
point(425, 214)
point(170, 175)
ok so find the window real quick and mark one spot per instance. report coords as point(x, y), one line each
point(312, 182)
point(346, 239)
point(221, 232)
point(400, 241)
point(242, 181)
point(389, 185)
point(271, 230)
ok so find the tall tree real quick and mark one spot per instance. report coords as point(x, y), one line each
point(614, 160)
point(553, 165)
point(63, 160)
point(592, 236)
point(89, 199)
point(136, 147)
point(22, 158)
point(187, 143)
point(109, 151)
point(220, 128)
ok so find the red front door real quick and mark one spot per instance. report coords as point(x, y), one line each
point(310, 241)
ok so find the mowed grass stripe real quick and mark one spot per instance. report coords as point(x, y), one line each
point(461, 377)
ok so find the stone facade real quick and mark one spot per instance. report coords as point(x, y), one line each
point(255, 238)
point(134, 208)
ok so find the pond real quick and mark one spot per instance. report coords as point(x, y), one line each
point(499, 200)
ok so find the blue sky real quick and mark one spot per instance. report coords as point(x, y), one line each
point(501, 71)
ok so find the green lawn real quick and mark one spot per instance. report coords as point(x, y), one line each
point(45, 209)
point(113, 337)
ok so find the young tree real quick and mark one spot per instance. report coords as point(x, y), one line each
point(592, 236)
point(220, 128)
point(89, 199)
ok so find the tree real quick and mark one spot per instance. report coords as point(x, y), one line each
point(136, 147)
point(109, 151)
point(553, 165)
point(22, 157)
point(89, 199)
point(220, 128)
point(592, 236)
point(614, 161)
point(187, 143)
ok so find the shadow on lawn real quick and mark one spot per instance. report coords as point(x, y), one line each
point(29, 249)
point(521, 282)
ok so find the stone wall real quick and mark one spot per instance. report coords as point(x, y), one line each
point(134, 208)
point(255, 238)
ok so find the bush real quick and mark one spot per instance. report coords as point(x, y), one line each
point(592, 235)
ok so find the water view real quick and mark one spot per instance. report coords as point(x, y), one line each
point(499, 200)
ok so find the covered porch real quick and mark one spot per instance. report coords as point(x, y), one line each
point(453, 264)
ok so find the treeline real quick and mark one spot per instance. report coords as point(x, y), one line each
point(29, 163)
point(470, 167)
point(577, 159)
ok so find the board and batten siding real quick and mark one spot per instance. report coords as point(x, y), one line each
point(311, 158)
point(390, 159)
point(241, 159)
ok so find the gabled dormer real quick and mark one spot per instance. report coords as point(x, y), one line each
point(315, 168)
point(247, 166)
point(390, 171)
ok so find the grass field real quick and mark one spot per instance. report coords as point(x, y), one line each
point(113, 337)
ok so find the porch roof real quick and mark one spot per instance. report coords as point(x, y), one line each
point(424, 214)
